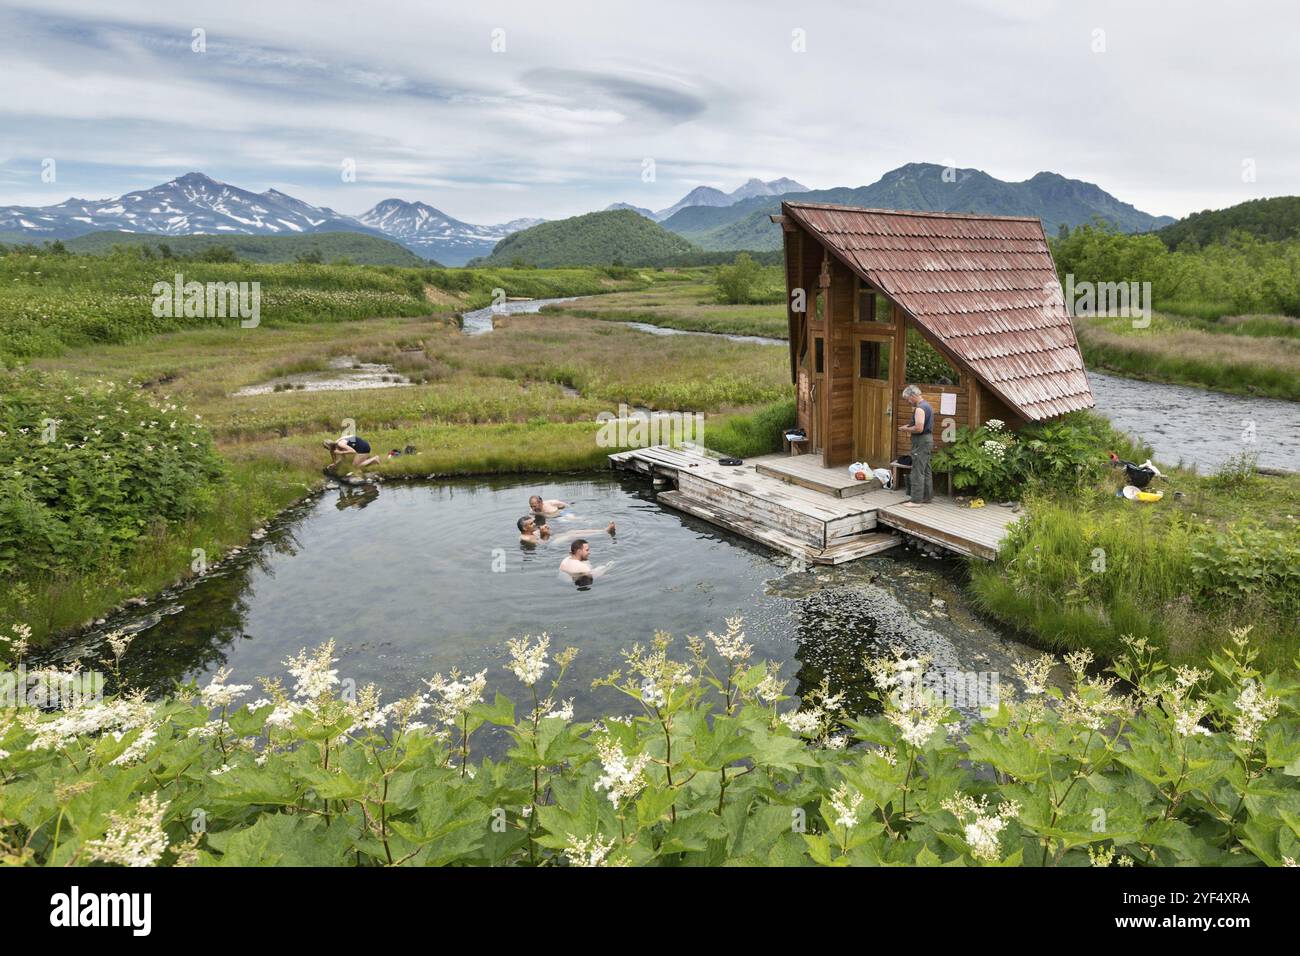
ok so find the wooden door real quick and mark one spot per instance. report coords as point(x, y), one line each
point(817, 391)
point(872, 407)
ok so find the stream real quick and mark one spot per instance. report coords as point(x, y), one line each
point(1195, 426)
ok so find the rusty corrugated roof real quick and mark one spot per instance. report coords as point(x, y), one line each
point(983, 286)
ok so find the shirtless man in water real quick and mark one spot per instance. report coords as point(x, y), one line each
point(531, 533)
point(548, 507)
point(578, 564)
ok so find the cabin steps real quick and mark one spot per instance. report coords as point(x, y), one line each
point(756, 509)
point(758, 499)
point(844, 549)
point(837, 484)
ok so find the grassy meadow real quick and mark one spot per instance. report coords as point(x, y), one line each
point(1241, 354)
point(525, 397)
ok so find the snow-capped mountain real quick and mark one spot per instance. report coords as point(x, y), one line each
point(699, 196)
point(196, 204)
point(191, 204)
point(433, 234)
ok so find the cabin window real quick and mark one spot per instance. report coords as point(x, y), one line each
point(873, 360)
point(819, 308)
point(925, 366)
point(873, 306)
point(819, 353)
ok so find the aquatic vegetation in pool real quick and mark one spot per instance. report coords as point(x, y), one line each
point(715, 763)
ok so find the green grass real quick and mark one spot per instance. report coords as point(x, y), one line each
point(51, 302)
point(1087, 570)
point(354, 247)
point(1230, 355)
point(254, 492)
point(686, 300)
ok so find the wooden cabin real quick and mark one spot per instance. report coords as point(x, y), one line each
point(865, 286)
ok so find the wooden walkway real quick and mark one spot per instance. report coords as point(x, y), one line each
point(817, 514)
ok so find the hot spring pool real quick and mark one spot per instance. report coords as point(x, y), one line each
point(415, 579)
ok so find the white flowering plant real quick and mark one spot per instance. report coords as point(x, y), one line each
point(1064, 455)
point(87, 469)
point(710, 763)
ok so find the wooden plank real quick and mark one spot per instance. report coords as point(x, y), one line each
point(976, 533)
point(746, 529)
point(859, 546)
point(847, 550)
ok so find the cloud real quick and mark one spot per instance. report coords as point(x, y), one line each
point(561, 120)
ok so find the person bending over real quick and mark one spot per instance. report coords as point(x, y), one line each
point(350, 446)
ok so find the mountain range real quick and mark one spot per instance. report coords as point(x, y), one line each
point(195, 204)
point(709, 218)
point(1049, 196)
point(709, 196)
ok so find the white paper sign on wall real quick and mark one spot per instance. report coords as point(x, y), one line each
point(948, 403)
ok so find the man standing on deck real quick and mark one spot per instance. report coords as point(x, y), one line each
point(921, 428)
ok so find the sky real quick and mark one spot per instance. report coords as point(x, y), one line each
point(493, 111)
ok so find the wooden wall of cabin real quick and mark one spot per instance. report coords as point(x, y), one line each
point(804, 258)
point(989, 406)
point(965, 390)
point(840, 374)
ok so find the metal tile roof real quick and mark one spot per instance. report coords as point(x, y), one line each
point(983, 286)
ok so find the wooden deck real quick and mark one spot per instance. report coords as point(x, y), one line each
point(814, 513)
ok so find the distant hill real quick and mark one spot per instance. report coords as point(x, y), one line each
point(598, 238)
point(331, 246)
point(1267, 219)
point(1049, 196)
point(708, 196)
point(639, 210)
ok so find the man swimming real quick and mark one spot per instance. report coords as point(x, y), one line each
point(350, 446)
point(547, 507)
point(578, 564)
point(531, 532)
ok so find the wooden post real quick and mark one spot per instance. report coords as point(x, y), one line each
point(824, 405)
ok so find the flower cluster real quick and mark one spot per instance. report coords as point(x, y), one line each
point(731, 646)
point(1255, 708)
point(624, 776)
point(846, 802)
point(587, 851)
point(457, 693)
point(818, 714)
point(135, 839)
point(528, 659)
point(981, 826)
